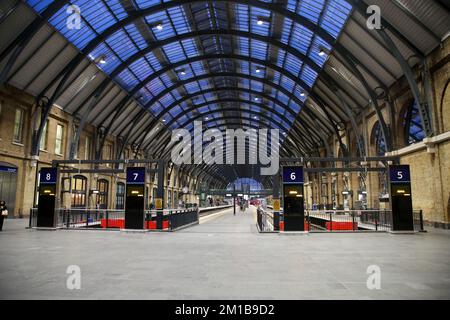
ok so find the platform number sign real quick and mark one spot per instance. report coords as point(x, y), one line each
point(136, 176)
point(399, 174)
point(48, 176)
point(292, 175)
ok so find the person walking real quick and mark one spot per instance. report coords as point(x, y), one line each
point(3, 213)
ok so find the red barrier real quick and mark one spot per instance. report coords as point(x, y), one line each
point(282, 226)
point(341, 226)
point(120, 223)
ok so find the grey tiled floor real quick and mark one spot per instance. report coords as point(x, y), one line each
point(223, 258)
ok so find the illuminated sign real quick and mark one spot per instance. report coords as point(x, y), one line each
point(399, 174)
point(136, 176)
point(292, 175)
point(48, 176)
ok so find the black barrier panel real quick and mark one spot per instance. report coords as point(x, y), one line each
point(293, 196)
point(135, 199)
point(401, 199)
point(47, 198)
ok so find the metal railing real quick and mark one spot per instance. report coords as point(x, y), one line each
point(342, 220)
point(167, 219)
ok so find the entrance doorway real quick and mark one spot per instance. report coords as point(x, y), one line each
point(8, 186)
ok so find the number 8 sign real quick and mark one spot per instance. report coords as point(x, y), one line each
point(48, 176)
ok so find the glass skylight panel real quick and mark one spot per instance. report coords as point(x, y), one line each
point(39, 5)
point(160, 18)
point(156, 109)
point(294, 107)
point(190, 47)
point(136, 36)
point(147, 3)
point(243, 67)
point(259, 49)
point(166, 80)
point(311, 9)
point(257, 86)
point(155, 86)
point(309, 76)
point(243, 46)
point(242, 18)
point(79, 39)
point(256, 15)
point(203, 109)
point(174, 52)
point(335, 15)
point(192, 87)
point(127, 80)
point(103, 51)
point(156, 65)
point(293, 64)
point(318, 45)
point(301, 38)
point(141, 68)
point(167, 100)
point(175, 111)
point(184, 120)
point(204, 84)
point(178, 18)
point(122, 45)
point(287, 83)
point(198, 68)
point(97, 14)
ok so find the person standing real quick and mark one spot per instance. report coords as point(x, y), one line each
point(3, 213)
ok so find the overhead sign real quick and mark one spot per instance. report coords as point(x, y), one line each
point(135, 175)
point(292, 175)
point(48, 176)
point(399, 174)
point(8, 169)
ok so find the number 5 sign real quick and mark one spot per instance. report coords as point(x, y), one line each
point(399, 174)
point(136, 176)
point(292, 175)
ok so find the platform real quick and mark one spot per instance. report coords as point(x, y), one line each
point(222, 258)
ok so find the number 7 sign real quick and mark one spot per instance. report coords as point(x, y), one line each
point(136, 175)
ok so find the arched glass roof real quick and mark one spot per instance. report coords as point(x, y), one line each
point(130, 54)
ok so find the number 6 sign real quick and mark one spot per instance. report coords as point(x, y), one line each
point(292, 175)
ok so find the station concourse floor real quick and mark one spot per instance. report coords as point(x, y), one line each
point(222, 258)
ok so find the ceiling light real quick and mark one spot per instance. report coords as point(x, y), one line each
point(260, 21)
point(206, 118)
point(159, 26)
point(259, 70)
point(164, 120)
point(256, 99)
point(302, 94)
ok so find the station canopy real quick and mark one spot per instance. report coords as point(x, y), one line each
point(138, 69)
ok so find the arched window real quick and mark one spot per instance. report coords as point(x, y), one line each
point(102, 186)
point(412, 124)
point(79, 189)
point(120, 196)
